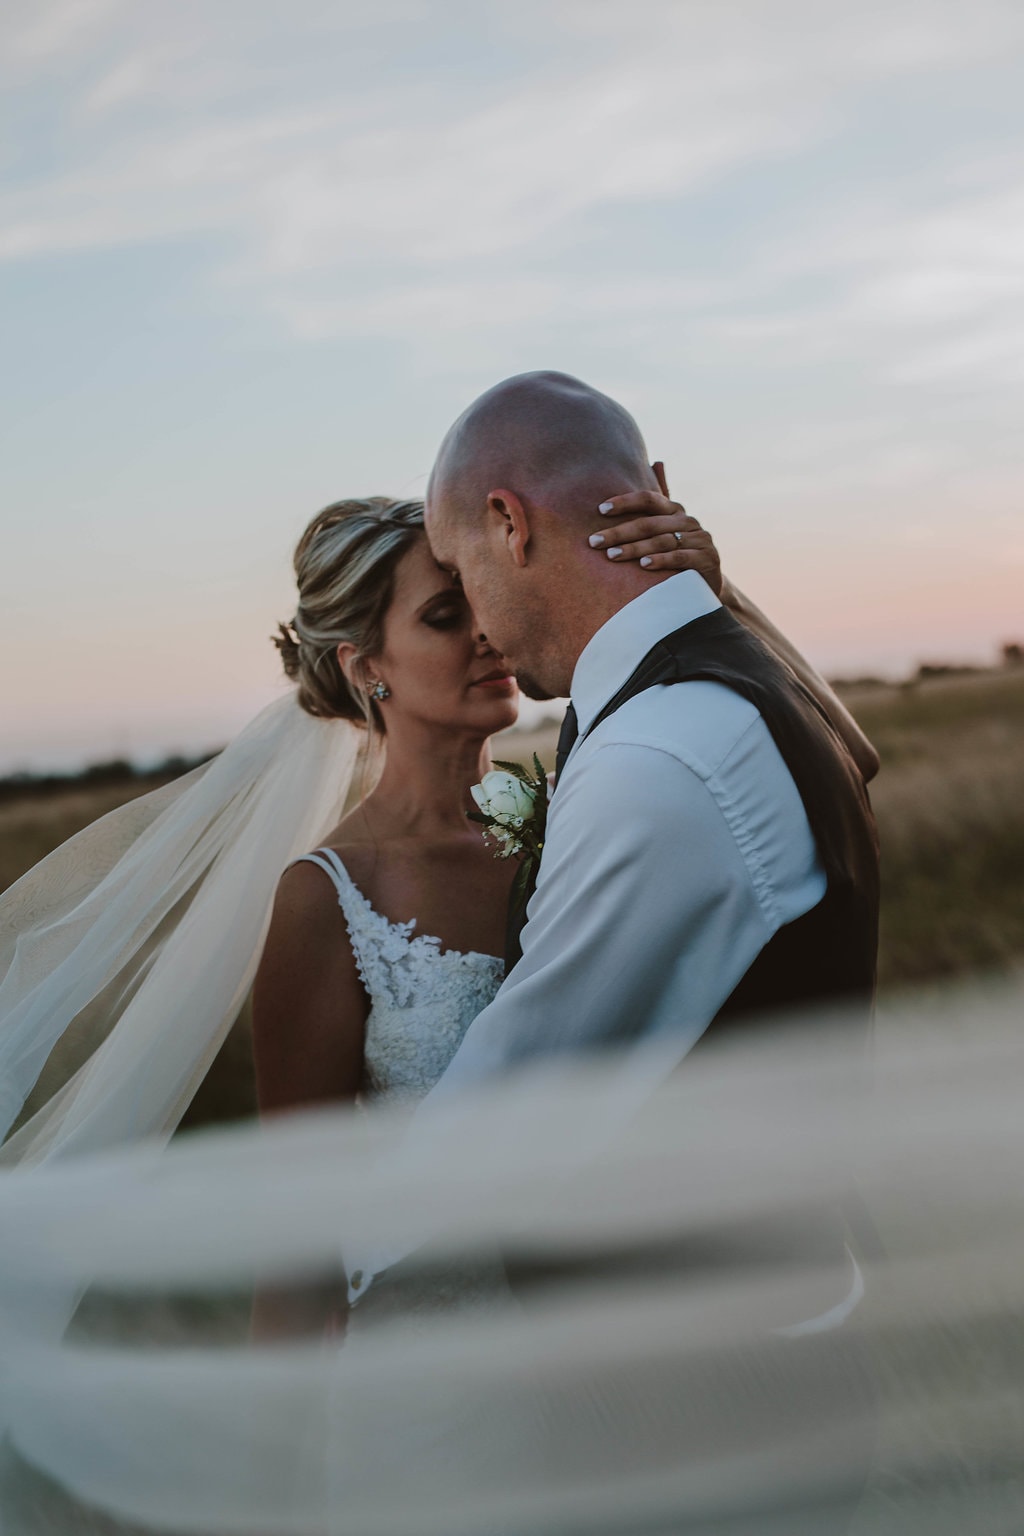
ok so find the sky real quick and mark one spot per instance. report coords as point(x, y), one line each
point(256, 256)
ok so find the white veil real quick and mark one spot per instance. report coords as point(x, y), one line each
point(126, 955)
point(642, 1380)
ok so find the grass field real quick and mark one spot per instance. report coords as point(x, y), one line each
point(950, 807)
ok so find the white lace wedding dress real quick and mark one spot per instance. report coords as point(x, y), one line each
point(423, 998)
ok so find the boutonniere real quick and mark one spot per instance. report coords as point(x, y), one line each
point(513, 809)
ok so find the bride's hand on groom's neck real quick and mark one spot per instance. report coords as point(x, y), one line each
point(650, 528)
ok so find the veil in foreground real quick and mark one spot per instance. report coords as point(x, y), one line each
point(126, 955)
point(660, 1366)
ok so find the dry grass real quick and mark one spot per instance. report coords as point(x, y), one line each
point(950, 811)
point(31, 826)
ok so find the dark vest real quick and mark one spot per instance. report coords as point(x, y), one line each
point(828, 956)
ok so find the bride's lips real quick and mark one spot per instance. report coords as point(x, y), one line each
point(497, 679)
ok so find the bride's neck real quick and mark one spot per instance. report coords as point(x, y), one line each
point(425, 782)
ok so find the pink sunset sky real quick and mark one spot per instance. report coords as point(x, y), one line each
point(256, 258)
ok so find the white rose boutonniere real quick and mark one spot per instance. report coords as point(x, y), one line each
point(513, 810)
point(507, 802)
point(513, 806)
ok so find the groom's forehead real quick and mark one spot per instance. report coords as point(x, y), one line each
point(435, 539)
point(441, 531)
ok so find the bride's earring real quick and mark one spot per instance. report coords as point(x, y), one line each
point(380, 691)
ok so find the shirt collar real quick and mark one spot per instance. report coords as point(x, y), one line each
point(619, 646)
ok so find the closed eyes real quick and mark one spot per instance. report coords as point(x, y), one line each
point(447, 610)
point(444, 619)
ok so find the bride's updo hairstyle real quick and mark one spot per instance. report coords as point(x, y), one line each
point(345, 567)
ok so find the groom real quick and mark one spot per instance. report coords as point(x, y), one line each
point(710, 851)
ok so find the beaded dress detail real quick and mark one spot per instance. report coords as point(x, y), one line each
point(422, 998)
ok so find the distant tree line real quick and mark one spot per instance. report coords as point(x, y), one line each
point(115, 774)
point(1011, 655)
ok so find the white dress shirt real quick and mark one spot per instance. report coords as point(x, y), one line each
point(676, 846)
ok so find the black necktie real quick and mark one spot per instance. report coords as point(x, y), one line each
point(566, 740)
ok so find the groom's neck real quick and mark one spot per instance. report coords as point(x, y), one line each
point(601, 600)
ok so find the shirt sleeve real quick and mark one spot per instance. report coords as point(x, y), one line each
point(647, 913)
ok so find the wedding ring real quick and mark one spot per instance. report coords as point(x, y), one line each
point(677, 535)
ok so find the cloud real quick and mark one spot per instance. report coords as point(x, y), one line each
point(937, 289)
point(34, 35)
point(349, 189)
point(638, 103)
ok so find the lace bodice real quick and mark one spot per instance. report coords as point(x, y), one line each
point(422, 997)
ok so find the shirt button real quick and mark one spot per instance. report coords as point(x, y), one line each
point(356, 1278)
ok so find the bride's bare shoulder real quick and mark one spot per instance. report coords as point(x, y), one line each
point(354, 845)
point(305, 907)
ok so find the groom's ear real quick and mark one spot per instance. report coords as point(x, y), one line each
point(513, 523)
point(659, 475)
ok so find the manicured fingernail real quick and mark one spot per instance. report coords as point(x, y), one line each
point(596, 540)
point(607, 506)
point(646, 560)
point(613, 554)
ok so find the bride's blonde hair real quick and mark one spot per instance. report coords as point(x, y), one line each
point(344, 566)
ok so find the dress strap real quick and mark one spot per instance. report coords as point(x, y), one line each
point(327, 860)
point(368, 931)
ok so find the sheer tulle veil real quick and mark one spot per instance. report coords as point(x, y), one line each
point(642, 1381)
point(126, 954)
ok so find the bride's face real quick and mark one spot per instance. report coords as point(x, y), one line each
point(438, 670)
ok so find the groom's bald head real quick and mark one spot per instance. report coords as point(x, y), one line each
point(549, 437)
point(511, 500)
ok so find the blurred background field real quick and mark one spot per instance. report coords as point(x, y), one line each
point(949, 801)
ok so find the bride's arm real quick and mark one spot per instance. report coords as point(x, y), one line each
point(861, 750)
point(309, 1017)
point(649, 535)
point(309, 1006)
